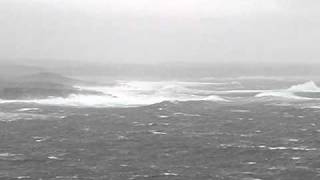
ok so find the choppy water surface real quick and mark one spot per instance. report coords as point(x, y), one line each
point(166, 130)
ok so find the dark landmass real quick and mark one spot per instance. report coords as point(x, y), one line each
point(180, 141)
point(53, 78)
point(40, 85)
point(161, 71)
point(189, 70)
point(9, 70)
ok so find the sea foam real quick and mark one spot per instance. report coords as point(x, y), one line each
point(140, 93)
point(281, 94)
point(309, 86)
point(291, 93)
point(130, 93)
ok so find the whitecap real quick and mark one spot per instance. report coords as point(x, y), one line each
point(163, 116)
point(295, 158)
point(291, 92)
point(157, 132)
point(251, 163)
point(140, 93)
point(27, 109)
point(281, 94)
point(309, 86)
point(54, 158)
point(23, 177)
point(129, 94)
point(186, 114)
point(170, 174)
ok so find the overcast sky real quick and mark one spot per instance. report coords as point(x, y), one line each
point(149, 31)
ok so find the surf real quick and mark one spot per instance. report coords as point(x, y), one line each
point(294, 92)
point(141, 93)
point(130, 94)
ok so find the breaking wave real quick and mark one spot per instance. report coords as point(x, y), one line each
point(291, 93)
point(139, 93)
point(305, 87)
point(130, 94)
point(283, 94)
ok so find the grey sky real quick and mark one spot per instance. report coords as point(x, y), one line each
point(161, 30)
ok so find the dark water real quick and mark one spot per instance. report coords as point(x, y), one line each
point(245, 138)
point(190, 140)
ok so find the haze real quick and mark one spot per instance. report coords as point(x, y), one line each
point(159, 31)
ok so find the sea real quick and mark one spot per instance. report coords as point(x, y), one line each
point(235, 128)
point(135, 93)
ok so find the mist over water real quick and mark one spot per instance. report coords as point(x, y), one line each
point(159, 89)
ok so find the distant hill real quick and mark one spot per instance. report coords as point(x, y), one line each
point(11, 70)
point(39, 85)
point(49, 77)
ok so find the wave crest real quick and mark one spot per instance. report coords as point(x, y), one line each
point(139, 93)
point(129, 94)
point(291, 93)
point(309, 86)
point(283, 94)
